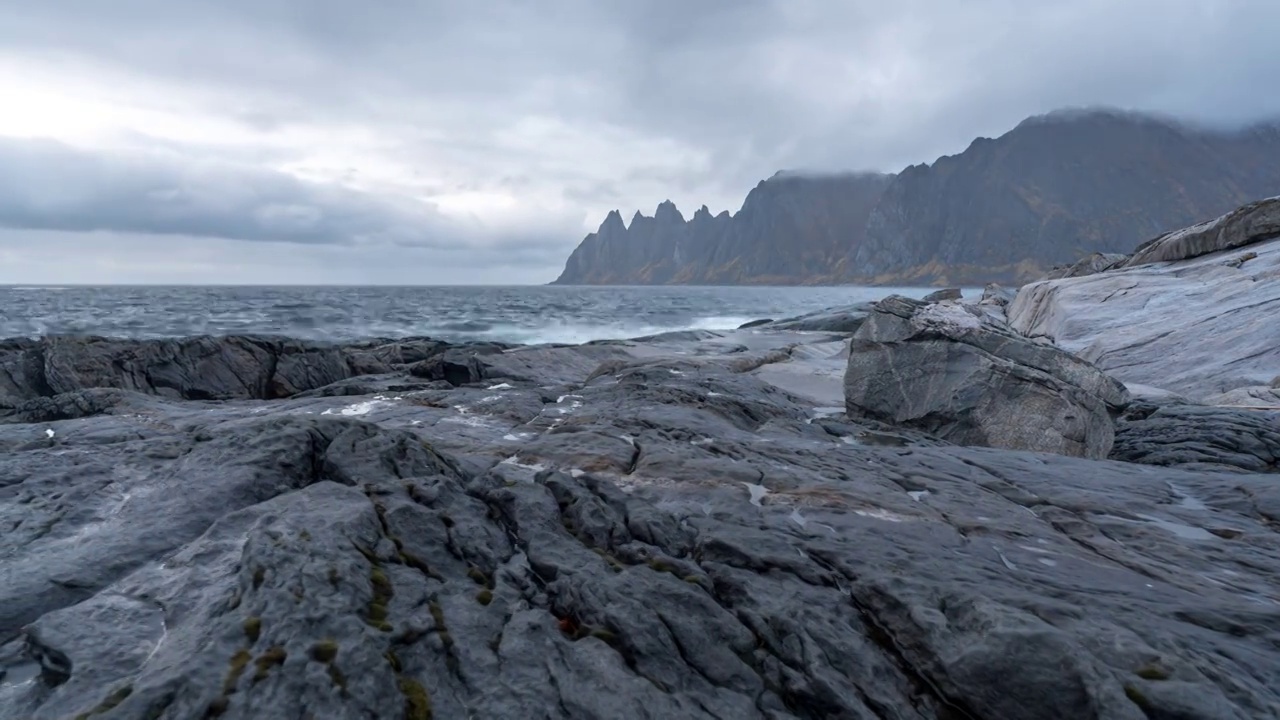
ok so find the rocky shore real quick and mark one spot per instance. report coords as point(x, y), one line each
point(1059, 504)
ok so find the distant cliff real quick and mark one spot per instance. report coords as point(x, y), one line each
point(791, 228)
point(1054, 188)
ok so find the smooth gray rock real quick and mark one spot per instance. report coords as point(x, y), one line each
point(845, 320)
point(944, 294)
point(1252, 223)
point(678, 537)
point(959, 374)
point(1258, 396)
point(994, 294)
point(1195, 327)
point(1091, 264)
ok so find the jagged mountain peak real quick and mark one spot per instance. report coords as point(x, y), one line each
point(1051, 190)
point(667, 212)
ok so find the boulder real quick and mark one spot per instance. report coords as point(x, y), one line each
point(1246, 225)
point(995, 294)
point(959, 374)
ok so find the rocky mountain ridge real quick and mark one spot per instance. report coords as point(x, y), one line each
point(1051, 190)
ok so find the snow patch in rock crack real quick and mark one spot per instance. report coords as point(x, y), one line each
point(357, 409)
point(758, 493)
point(881, 514)
point(514, 461)
point(797, 518)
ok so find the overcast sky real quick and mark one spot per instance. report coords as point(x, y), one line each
point(398, 141)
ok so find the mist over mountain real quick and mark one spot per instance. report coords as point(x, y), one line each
point(1056, 187)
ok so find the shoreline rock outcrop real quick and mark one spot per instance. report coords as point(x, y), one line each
point(789, 521)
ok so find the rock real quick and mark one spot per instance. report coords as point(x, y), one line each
point(1199, 436)
point(1194, 327)
point(994, 294)
point(945, 294)
point(1252, 223)
point(755, 323)
point(845, 320)
point(454, 367)
point(1258, 396)
point(1091, 264)
point(958, 374)
point(196, 368)
point(678, 537)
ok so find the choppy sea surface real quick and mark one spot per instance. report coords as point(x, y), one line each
point(516, 314)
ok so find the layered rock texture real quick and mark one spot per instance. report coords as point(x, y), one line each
point(1192, 311)
point(683, 527)
point(891, 511)
point(960, 375)
point(1049, 192)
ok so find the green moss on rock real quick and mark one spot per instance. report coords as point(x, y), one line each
point(238, 663)
point(109, 703)
point(273, 657)
point(253, 628)
point(324, 651)
point(417, 702)
point(1152, 671)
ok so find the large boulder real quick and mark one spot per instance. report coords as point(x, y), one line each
point(1192, 312)
point(1245, 225)
point(957, 373)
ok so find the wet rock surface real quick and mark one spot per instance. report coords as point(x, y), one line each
point(688, 526)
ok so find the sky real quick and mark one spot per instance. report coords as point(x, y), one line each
point(423, 142)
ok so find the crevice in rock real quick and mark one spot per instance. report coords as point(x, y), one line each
point(925, 689)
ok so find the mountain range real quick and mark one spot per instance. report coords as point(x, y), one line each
point(1046, 193)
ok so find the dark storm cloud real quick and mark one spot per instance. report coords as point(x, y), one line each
point(752, 85)
point(761, 84)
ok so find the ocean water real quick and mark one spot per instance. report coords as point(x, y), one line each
point(517, 314)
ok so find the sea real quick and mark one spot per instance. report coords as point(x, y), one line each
point(513, 314)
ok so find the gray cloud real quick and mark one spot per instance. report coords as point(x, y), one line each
point(48, 186)
point(45, 185)
point(706, 97)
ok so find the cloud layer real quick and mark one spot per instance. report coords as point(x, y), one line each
point(484, 140)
